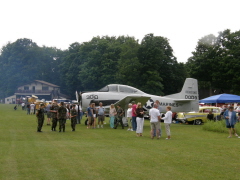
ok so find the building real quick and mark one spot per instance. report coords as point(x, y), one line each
point(39, 88)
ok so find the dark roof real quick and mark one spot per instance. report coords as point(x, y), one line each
point(47, 83)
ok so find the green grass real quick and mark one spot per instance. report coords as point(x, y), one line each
point(218, 126)
point(192, 153)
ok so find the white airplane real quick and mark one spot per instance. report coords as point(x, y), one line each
point(185, 101)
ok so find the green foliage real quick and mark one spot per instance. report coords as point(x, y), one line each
point(22, 62)
point(216, 61)
point(218, 126)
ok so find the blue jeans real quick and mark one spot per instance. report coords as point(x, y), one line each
point(134, 123)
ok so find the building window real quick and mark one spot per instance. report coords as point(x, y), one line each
point(26, 87)
point(45, 88)
point(7, 99)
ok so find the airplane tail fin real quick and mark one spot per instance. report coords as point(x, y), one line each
point(189, 91)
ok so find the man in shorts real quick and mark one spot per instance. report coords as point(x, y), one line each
point(48, 113)
point(230, 117)
point(101, 115)
point(154, 120)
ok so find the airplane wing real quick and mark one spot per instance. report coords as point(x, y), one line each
point(184, 100)
point(128, 99)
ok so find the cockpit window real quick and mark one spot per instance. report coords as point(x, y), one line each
point(104, 89)
point(113, 88)
point(126, 89)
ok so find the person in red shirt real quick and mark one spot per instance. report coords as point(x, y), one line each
point(134, 116)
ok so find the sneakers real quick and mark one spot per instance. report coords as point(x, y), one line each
point(168, 138)
point(236, 135)
point(131, 130)
point(128, 129)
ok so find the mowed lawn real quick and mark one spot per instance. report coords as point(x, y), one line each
point(192, 153)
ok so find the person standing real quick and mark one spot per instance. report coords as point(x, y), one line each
point(230, 117)
point(54, 110)
point(40, 117)
point(160, 110)
point(23, 105)
point(129, 117)
point(101, 114)
point(134, 116)
point(210, 116)
point(28, 108)
point(119, 117)
point(61, 113)
point(167, 121)
point(79, 113)
point(154, 120)
point(73, 115)
point(48, 113)
point(90, 116)
point(112, 113)
point(139, 119)
point(94, 115)
point(32, 106)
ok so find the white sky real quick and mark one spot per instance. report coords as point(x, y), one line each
point(59, 23)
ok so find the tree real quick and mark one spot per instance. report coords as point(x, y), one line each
point(158, 65)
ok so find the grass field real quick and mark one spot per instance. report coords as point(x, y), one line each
point(192, 153)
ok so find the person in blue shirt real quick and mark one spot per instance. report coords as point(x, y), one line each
point(90, 116)
point(230, 117)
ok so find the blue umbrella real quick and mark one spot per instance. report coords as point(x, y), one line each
point(221, 98)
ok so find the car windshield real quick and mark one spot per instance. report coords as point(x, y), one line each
point(207, 110)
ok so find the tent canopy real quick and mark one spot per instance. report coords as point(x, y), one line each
point(221, 98)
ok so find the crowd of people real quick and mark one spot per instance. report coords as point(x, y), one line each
point(59, 114)
point(96, 116)
point(135, 118)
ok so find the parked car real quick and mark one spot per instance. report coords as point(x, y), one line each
point(199, 117)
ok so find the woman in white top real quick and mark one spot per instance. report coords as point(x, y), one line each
point(129, 117)
point(112, 113)
point(167, 121)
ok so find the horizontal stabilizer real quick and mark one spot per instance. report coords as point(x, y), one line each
point(183, 100)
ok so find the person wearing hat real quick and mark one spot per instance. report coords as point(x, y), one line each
point(40, 117)
point(119, 117)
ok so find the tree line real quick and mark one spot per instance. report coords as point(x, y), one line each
point(148, 65)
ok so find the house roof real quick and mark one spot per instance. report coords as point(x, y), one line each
point(47, 83)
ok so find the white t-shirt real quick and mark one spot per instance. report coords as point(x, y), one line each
point(154, 113)
point(229, 117)
point(168, 117)
point(129, 112)
point(32, 106)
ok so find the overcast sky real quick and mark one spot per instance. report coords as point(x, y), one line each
point(59, 23)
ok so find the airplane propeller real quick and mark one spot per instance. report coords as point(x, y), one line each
point(79, 98)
